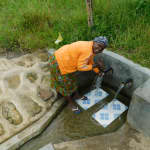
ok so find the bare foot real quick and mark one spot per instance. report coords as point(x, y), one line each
point(72, 105)
point(75, 109)
point(76, 96)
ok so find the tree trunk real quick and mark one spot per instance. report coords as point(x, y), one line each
point(89, 11)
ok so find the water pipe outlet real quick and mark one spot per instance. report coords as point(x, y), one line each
point(128, 83)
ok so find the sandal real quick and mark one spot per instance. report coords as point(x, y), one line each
point(76, 110)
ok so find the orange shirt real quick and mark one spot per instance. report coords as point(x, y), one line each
point(77, 56)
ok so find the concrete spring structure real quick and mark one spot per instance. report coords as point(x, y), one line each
point(139, 109)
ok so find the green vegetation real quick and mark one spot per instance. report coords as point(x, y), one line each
point(33, 24)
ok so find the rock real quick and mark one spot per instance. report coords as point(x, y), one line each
point(27, 61)
point(29, 58)
point(13, 81)
point(32, 77)
point(1, 130)
point(10, 113)
point(30, 106)
point(45, 68)
point(21, 63)
point(139, 110)
point(45, 80)
point(45, 94)
point(43, 56)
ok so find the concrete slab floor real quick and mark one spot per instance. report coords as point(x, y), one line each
point(47, 147)
point(124, 139)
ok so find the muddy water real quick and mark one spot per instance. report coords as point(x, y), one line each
point(68, 126)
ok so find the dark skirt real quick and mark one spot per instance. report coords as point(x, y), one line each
point(63, 84)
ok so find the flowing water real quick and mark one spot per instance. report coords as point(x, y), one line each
point(98, 81)
point(68, 126)
point(119, 90)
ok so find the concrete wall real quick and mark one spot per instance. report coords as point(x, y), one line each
point(123, 69)
point(139, 109)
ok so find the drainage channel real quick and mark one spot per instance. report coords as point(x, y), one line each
point(69, 126)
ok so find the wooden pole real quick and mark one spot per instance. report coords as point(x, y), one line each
point(89, 12)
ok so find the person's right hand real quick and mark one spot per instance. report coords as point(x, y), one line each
point(100, 64)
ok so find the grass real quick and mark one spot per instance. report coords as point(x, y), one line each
point(30, 25)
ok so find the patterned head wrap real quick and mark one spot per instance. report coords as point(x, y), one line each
point(101, 39)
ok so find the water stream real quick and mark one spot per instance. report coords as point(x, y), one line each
point(97, 83)
point(119, 89)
